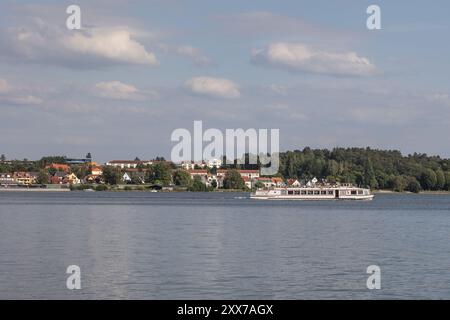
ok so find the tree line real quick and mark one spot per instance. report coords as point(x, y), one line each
point(377, 169)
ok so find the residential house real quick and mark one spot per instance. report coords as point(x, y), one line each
point(191, 165)
point(293, 183)
point(126, 164)
point(126, 177)
point(202, 173)
point(312, 182)
point(244, 173)
point(214, 163)
point(248, 182)
point(96, 170)
point(58, 177)
point(278, 182)
point(251, 174)
point(71, 179)
point(95, 176)
point(267, 182)
point(25, 178)
point(6, 179)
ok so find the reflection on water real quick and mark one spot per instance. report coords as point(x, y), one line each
point(222, 245)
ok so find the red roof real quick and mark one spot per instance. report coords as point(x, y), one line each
point(248, 171)
point(58, 166)
point(240, 171)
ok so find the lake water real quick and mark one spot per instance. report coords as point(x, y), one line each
point(222, 246)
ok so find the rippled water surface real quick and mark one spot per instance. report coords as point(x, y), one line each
point(222, 245)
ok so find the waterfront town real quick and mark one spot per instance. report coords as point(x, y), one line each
point(55, 173)
point(363, 167)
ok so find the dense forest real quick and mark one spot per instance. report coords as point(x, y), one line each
point(378, 169)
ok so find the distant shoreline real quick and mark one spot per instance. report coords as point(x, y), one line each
point(442, 192)
point(408, 192)
point(32, 190)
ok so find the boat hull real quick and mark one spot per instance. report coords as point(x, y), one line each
point(361, 198)
point(314, 194)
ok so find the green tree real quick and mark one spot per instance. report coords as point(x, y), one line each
point(42, 177)
point(428, 179)
point(259, 185)
point(160, 173)
point(198, 185)
point(111, 175)
point(413, 185)
point(440, 179)
point(51, 171)
point(399, 184)
point(233, 180)
point(333, 168)
point(369, 175)
point(447, 180)
point(135, 179)
point(182, 178)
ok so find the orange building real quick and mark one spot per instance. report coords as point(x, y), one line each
point(58, 167)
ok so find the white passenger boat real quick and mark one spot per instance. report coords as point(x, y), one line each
point(314, 193)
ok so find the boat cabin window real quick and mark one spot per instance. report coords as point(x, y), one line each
point(360, 192)
point(323, 192)
point(297, 192)
point(316, 192)
point(310, 192)
point(303, 191)
point(290, 192)
point(330, 192)
point(353, 192)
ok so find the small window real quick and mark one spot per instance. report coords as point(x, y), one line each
point(303, 191)
point(310, 192)
point(290, 192)
point(316, 192)
point(323, 192)
point(353, 192)
point(330, 192)
point(296, 192)
point(360, 192)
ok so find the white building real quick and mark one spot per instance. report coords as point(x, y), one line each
point(214, 163)
point(128, 164)
point(190, 165)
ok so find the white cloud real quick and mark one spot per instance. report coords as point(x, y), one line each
point(16, 96)
point(194, 54)
point(301, 58)
point(44, 43)
point(114, 44)
point(213, 87)
point(122, 91)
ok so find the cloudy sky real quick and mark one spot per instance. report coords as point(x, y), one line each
point(140, 69)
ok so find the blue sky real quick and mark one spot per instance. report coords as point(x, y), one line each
point(140, 69)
